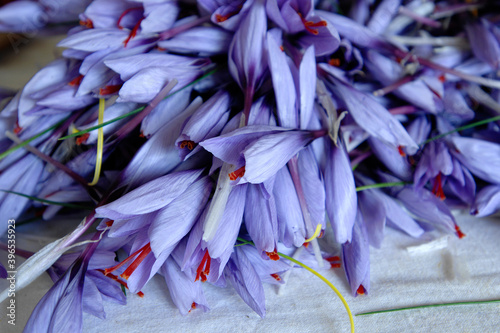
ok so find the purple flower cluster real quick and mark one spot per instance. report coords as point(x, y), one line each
point(227, 123)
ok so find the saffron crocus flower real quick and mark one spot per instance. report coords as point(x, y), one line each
point(245, 280)
point(259, 151)
point(487, 201)
point(374, 118)
point(341, 200)
point(356, 259)
point(206, 122)
point(481, 157)
point(159, 223)
point(246, 59)
point(21, 177)
point(484, 42)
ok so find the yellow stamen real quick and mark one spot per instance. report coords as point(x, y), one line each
point(100, 141)
point(315, 235)
point(351, 320)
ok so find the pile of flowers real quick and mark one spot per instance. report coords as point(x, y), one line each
point(203, 138)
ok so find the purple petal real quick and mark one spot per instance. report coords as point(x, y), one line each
point(391, 158)
point(183, 290)
point(150, 197)
point(173, 222)
point(289, 214)
point(341, 199)
point(482, 158)
point(487, 201)
point(260, 218)
point(246, 52)
point(307, 73)
point(206, 41)
point(246, 281)
point(265, 156)
point(356, 258)
point(374, 118)
point(284, 88)
point(95, 39)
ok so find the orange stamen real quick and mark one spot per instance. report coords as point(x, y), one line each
point(460, 234)
point(17, 128)
point(221, 18)
point(361, 290)
point(111, 89)
point(133, 33)
point(109, 223)
point(204, 268)
point(273, 255)
point(335, 265)
point(310, 24)
point(334, 62)
point(82, 139)
point(87, 23)
point(276, 277)
point(442, 78)
point(193, 306)
point(282, 48)
point(334, 258)
point(187, 143)
point(401, 151)
point(237, 173)
point(76, 81)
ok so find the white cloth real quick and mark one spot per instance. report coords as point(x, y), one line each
point(403, 273)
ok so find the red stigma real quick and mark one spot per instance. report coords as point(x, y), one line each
point(310, 24)
point(333, 261)
point(82, 139)
point(133, 266)
point(17, 129)
point(187, 144)
point(273, 255)
point(437, 188)
point(361, 290)
point(204, 268)
point(110, 89)
point(221, 18)
point(401, 151)
point(76, 81)
point(193, 306)
point(276, 277)
point(87, 23)
point(143, 252)
point(459, 232)
point(125, 12)
point(133, 33)
point(123, 283)
point(334, 62)
point(237, 173)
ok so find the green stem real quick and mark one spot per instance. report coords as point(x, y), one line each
point(458, 129)
point(24, 143)
point(131, 113)
point(428, 306)
point(380, 185)
point(48, 201)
